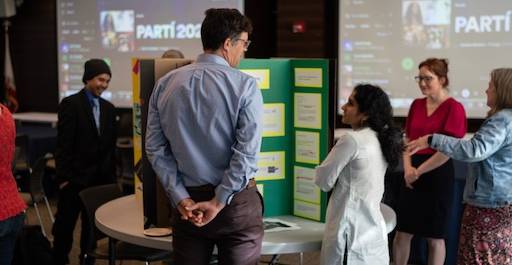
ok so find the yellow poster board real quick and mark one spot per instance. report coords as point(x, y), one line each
point(271, 165)
point(262, 76)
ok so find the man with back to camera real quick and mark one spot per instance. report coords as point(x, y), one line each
point(203, 136)
point(86, 137)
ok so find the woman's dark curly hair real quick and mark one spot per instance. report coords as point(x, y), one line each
point(374, 102)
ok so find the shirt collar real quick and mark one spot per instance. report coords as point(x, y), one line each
point(211, 58)
point(91, 97)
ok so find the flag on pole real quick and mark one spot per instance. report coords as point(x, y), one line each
point(10, 88)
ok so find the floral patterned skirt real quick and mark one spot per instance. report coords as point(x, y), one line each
point(485, 236)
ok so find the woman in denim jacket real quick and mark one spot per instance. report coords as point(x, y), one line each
point(486, 231)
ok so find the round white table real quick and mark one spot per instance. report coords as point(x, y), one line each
point(123, 219)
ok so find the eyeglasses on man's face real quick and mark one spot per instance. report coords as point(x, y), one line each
point(425, 78)
point(246, 43)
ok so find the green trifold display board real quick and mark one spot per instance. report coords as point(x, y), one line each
point(297, 132)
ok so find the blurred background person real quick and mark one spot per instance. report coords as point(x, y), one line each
point(86, 140)
point(12, 206)
point(486, 231)
point(172, 53)
point(414, 30)
point(355, 168)
point(108, 32)
point(428, 175)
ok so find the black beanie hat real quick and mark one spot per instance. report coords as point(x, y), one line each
point(95, 67)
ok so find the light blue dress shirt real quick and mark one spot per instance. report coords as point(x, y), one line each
point(204, 127)
point(95, 105)
point(489, 152)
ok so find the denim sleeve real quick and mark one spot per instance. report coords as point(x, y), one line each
point(243, 162)
point(486, 141)
point(159, 151)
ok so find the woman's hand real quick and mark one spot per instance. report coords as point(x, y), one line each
point(410, 176)
point(414, 146)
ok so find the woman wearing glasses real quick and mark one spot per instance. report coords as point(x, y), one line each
point(428, 174)
point(486, 231)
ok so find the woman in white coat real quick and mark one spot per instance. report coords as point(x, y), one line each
point(355, 168)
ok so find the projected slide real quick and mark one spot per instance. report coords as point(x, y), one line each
point(382, 42)
point(117, 30)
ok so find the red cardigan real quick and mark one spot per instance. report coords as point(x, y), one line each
point(11, 203)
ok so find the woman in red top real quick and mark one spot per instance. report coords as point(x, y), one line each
point(12, 206)
point(428, 174)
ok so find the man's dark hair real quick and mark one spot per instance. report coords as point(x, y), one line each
point(220, 24)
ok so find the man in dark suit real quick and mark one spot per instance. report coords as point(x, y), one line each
point(85, 153)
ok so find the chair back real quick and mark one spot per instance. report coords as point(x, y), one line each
point(37, 174)
point(92, 198)
point(124, 164)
